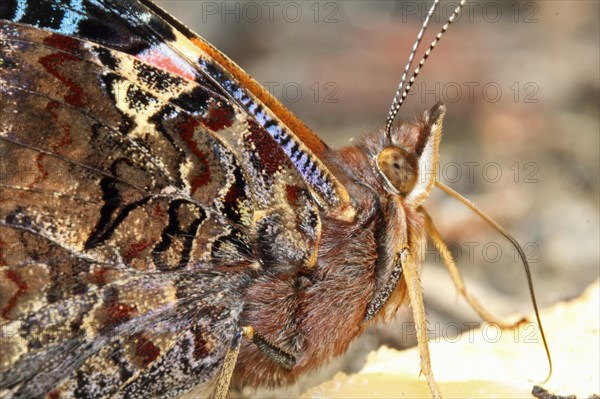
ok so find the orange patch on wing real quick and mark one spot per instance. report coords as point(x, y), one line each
point(99, 277)
point(145, 350)
point(117, 312)
point(292, 193)
point(135, 250)
point(186, 131)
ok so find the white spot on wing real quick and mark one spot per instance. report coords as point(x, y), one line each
point(145, 17)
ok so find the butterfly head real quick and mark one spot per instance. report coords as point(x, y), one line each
point(406, 165)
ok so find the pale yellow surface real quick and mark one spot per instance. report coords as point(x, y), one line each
point(489, 363)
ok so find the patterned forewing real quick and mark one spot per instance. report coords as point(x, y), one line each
point(108, 280)
point(142, 29)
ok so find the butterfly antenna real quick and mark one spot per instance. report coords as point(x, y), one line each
point(514, 242)
point(395, 106)
point(402, 92)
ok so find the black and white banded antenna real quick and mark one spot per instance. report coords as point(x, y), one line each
point(402, 90)
point(395, 106)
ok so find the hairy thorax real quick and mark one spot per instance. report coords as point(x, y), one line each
point(315, 312)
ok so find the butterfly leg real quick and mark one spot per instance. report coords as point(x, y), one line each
point(221, 388)
point(442, 248)
point(413, 284)
point(276, 354)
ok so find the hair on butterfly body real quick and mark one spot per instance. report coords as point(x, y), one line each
point(216, 240)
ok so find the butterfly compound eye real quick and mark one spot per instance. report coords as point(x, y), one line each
point(399, 167)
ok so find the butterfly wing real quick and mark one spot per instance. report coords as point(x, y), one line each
point(136, 205)
point(115, 255)
point(144, 30)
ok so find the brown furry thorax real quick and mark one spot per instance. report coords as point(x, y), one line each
point(317, 312)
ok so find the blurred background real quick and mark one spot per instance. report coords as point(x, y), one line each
point(521, 137)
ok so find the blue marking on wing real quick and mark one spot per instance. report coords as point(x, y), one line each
point(73, 15)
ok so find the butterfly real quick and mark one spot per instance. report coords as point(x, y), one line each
point(166, 224)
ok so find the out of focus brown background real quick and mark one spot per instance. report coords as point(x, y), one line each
point(521, 139)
